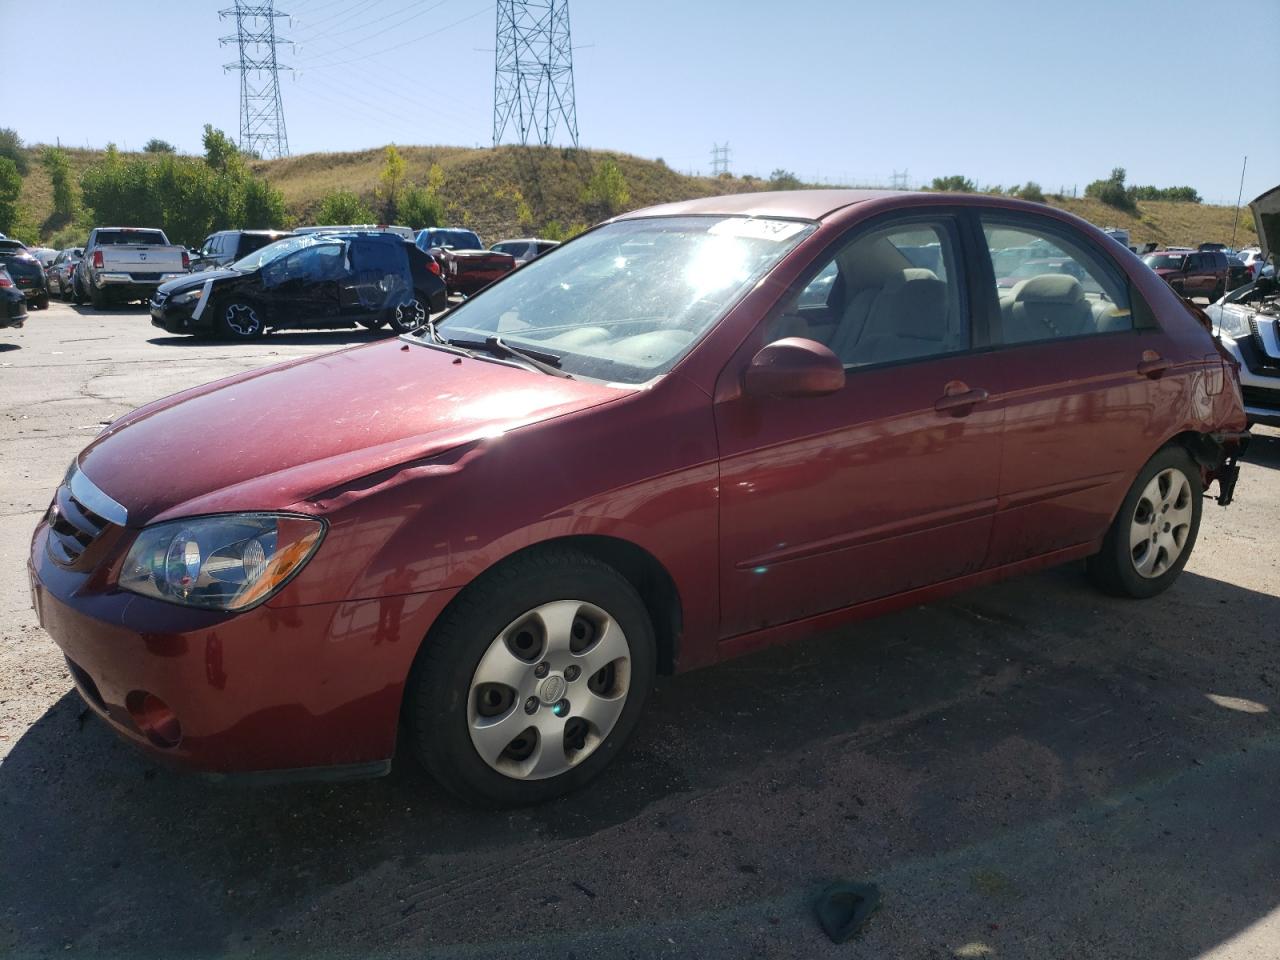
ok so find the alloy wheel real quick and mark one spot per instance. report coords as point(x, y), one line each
point(411, 315)
point(549, 689)
point(242, 319)
point(1161, 523)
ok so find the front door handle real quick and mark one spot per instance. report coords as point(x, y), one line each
point(1152, 364)
point(958, 398)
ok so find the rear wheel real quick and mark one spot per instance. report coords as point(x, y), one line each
point(42, 302)
point(532, 681)
point(98, 297)
point(1152, 536)
point(240, 320)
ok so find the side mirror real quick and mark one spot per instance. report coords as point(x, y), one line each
point(793, 367)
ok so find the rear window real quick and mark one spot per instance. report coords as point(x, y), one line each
point(1164, 261)
point(250, 242)
point(116, 237)
point(453, 239)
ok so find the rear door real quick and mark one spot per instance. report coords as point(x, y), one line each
point(888, 484)
point(1087, 376)
point(378, 279)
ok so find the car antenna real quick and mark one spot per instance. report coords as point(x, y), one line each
point(1234, 224)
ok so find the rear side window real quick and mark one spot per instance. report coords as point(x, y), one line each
point(1051, 283)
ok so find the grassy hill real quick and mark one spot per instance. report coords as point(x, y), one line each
point(517, 191)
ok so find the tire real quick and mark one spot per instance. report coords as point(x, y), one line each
point(513, 623)
point(99, 298)
point(371, 323)
point(1152, 536)
point(240, 319)
point(42, 302)
point(407, 317)
point(77, 296)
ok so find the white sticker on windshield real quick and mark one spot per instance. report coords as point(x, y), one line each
point(775, 230)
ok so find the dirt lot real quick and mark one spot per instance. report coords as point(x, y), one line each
point(1031, 770)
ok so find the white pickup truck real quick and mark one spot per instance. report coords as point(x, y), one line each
point(126, 263)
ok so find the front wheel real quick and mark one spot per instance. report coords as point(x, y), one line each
point(407, 317)
point(1152, 536)
point(532, 681)
point(240, 320)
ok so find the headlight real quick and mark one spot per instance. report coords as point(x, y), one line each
point(1231, 320)
point(226, 563)
point(188, 296)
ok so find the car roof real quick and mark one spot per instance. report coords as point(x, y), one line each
point(788, 204)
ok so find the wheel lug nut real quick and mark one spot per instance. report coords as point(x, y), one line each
point(561, 709)
point(571, 673)
point(531, 705)
point(540, 670)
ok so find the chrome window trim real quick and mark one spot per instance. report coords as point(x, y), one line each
point(89, 495)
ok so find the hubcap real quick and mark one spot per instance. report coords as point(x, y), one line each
point(549, 690)
point(412, 315)
point(1161, 523)
point(241, 318)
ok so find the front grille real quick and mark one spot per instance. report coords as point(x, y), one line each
point(73, 527)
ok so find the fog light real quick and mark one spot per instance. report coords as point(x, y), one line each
point(154, 718)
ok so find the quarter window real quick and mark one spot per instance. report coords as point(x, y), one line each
point(891, 294)
point(1050, 284)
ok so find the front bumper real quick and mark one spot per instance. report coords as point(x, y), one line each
point(1259, 372)
point(177, 317)
point(300, 691)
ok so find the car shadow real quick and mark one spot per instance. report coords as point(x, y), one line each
point(6, 347)
point(1029, 756)
point(1264, 449)
point(306, 338)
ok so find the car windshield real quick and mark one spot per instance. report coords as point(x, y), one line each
point(624, 302)
point(1164, 261)
point(281, 248)
point(452, 239)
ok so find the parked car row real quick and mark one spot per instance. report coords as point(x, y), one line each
point(24, 272)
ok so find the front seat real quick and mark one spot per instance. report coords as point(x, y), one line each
point(1047, 306)
point(909, 320)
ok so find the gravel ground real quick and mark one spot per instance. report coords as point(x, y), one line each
point(1029, 770)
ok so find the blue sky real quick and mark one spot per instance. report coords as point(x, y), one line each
point(1002, 92)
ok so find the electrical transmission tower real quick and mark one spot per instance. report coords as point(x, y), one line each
point(261, 115)
point(533, 71)
point(719, 159)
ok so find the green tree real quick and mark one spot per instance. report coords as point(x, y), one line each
point(1030, 191)
point(390, 182)
point(606, 193)
point(784, 180)
point(953, 184)
point(220, 151)
point(58, 165)
point(263, 205)
point(10, 187)
point(155, 145)
point(11, 147)
point(1112, 191)
point(420, 208)
point(342, 207)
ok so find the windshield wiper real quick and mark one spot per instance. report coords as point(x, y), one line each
point(548, 363)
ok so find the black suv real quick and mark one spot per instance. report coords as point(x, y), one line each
point(225, 247)
point(27, 274)
point(324, 280)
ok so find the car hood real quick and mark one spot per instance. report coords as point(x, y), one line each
point(268, 439)
point(193, 280)
point(1266, 217)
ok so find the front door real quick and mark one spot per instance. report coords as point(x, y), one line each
point(886, 485)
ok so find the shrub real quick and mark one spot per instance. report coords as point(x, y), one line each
point(390, 181)
point(10, 187)
point(953, 184)
point(159, 146)
point(1031, 191)
point(11, 147)
point(55, 161)
point(784, 180)
point(606, 193)
point(343, 206)
point(1112, 192)
point(420, 208)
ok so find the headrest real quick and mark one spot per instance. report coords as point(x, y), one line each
point(1049, 288)
point(919, 307)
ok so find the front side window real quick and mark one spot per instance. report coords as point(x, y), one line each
point(891, 294)
point(1065, 289)
point(626, 301)
point(316, 263)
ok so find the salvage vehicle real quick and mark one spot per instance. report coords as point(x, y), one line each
point(1191, 273)
point(322, 280)
point(25, 272)
point(651, 451)
point(121, 264)
point(13, 305)
point(1247, 321)
point(59, 273)
point(467, 267)
point(225, 247)
point(525, 250)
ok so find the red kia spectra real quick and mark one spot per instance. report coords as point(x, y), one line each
point(693, 431)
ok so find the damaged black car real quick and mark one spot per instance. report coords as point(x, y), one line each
point(314, 281)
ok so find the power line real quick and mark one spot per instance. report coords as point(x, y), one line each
point(262, 129)
point(385, 50)
point(533, 71)
point(347, 42)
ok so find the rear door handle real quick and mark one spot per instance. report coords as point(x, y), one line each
point(958, 398)
point(1152, 364)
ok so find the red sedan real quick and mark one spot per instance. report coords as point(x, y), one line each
point(693, 431)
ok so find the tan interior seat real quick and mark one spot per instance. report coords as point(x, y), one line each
point(1041, 308)
point(908, 319)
